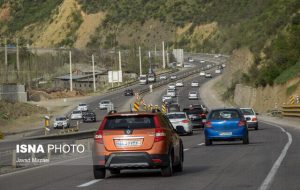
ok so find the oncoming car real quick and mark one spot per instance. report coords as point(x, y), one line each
point(195, 84)
point(82, 107)
point(61, 122)
point(137, 141)
point(226, 124)
point(76, 114)
point(104, 104)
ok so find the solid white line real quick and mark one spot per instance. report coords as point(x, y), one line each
point(185, 149)
point(89, 183)
point(270, 177)
point(201, 144)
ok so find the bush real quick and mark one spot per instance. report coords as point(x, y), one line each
point(1, 135)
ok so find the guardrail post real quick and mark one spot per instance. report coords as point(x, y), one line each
point(49, 155)
point(14, 159)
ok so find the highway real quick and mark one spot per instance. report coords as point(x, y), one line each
point(223, 166)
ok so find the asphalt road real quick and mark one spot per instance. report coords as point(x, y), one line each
point(225, 165)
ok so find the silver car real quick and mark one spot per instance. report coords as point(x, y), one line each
point(181, 119)
point(179, 84)
point(76, 114)
point(104, 104)
point(61, 122)
point(195, 84)
point(171, 92)
point(193, 95)
point(250, 117)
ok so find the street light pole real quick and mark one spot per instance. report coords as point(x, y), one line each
point(94, 78)
point(140, 57)
point(71, 79)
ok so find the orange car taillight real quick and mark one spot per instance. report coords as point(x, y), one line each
point(99, 134)
point(99, 137)
point(254, 119)
point(242, 123)
point(160, 135)
point(207, 124)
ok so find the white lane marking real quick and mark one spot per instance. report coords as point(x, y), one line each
point(185, 149)
point(90, 183)
point(270, 177)
point(201, 144)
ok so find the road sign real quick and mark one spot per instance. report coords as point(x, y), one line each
point(136, 106)
point(163, 108)
point(292, 99)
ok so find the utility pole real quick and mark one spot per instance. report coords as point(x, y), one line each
point(71, 79)
point(150, 60)
point(94, 78)
point(155, 54)
point(164, 60)
point(168, 61)
point(6, 64)
point(120, 67)
point(140, 57)
point(18, 60)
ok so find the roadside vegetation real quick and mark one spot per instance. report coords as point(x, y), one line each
point(269, 28)
point(11, 111)
point(24, 13)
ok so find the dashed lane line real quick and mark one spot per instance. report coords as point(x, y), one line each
point(270, 177)
point(201, 144)
point(90, 183)
point(185, 149)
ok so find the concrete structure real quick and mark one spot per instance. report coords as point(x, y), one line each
point(81, 81)
point(13, 93)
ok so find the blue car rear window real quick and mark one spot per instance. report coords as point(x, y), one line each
point(224, 115)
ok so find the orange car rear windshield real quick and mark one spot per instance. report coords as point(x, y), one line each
point(129, 122)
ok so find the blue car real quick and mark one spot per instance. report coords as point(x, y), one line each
point(226, 124)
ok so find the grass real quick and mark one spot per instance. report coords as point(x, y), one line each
point(291, 89)
point(1, 135)
point(12, 111)
point(288, 74)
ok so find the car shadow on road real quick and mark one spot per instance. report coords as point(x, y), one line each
point(156, 173)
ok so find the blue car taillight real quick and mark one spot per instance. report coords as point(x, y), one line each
point(242, 123)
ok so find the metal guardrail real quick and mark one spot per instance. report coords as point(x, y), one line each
point(292, 110)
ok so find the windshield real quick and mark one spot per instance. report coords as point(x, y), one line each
point(60, 119)
point(247, 111)
point(176, 116)
point(76, 112)
point(105, 102)
point(224, 115)
point(129, 122)
point(82, 104)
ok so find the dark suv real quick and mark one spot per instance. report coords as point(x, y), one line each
point(196, 115)
point(137, 141)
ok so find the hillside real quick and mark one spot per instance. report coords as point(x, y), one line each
point(269, 28)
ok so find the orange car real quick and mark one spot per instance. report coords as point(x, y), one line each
point(136, 141)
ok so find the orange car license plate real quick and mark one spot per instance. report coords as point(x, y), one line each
point(128, 143)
